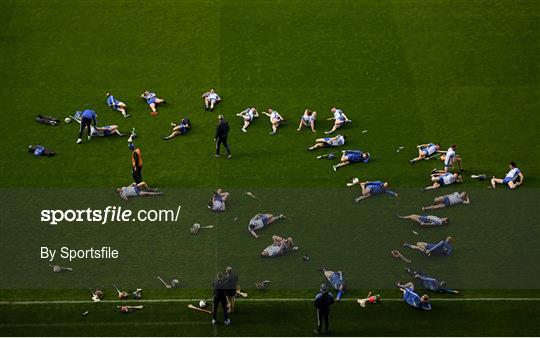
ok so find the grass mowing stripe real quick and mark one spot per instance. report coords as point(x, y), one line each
point(187, 300)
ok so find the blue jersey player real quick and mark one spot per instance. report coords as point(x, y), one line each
point(442, 248)
point(116, 105)
point(152, 100)
point(336, 279)
point(179, 129)
point(370, 188)
point(430, 283)
point(513, 178)
point(352, 156)
point(412, 298)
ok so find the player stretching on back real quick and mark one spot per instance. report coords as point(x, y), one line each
point(211, 98)
point(179, 129)
point(514, 178)
point(280, 246)
point(248, 115)
point(425, 151)
point(137, 189)
point(152, 100)
point(336, 280)
point(352, 156)
point(339, 119)
point(412, 298)
point(440, 179)
point(259, 221)
point(448, 200)
point(219, 198)
point(373, 188)
point(427, 221)
point(116, 105)
point(443, 248)
point(308, 120)
point(275, 119)
point(430, 283)
point(105, 131)
point(335, 141)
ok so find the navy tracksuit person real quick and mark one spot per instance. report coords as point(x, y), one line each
point(220, 297)
point(88, 118)
point(222, 131)
point(322, 302)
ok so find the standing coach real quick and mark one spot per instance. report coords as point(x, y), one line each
point(322, 302)
point(88, 117)
point(220, 297)
point(222, 131)
point(136, 162)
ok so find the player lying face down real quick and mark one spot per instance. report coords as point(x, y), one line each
point(441, 179)
point(513, 178)
point(339, 119)
point(370, 188)
point(179, 129)
point(352, 156)
point(211, 98)
point(308, 120)
point(322, 142)
point(137, 189)
point(336, 279)
point(412, 298)
point(152, 100)
point(219, 197)
point(248, 115)
point(442, 248)
point(449, 200)
point(275, 119)
point(427, 220)
point(259, 221)
point(425, 150)
point(280, 246)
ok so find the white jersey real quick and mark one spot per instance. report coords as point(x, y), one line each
point(448, 178)
point(454, 198)
point(449, 156)
point(274, 250)
point(256, 223)
point(430, 149)
point(130, 191)
point(307, 119)
point(512, 174)
point(338, 115)
point(212, 96)
point(249, 113)
point(433, 220)
point(274, 115)
point(338, 141)
point(218, 205)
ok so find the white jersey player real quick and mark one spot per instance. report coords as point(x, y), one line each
point(259, 221)
point(248, 115)
point(425, 151)
point(275, 119)
point(134, 190)
point(440, 179)
point(280, 246)
point(211, 98)
point(449, 200)
point(335, 141)
point(308, 120)
point(339, 119)
point(513, 178)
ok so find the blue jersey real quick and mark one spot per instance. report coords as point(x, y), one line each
point(430, 283)
point(443, 248)
point(112, 102)
point(375, 187)
point(336, 279)
point(413, 299)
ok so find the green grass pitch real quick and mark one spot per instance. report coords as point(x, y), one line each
point(408, 72)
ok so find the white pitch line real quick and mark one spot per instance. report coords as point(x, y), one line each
point(186, 300)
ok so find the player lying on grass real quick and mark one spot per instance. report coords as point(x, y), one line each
point(513, 178)
point(96, 131)
point(116, 105)
point(280, 246)
point(275, 119)
point(339, 119)
point(441, 179)
point(248, 115)
point(129, 308)
point(443, 248)
point(450, 158)
point(211, 98)
point(322, 142)
point(427, 221)
point(308, 120)
point(352, 156)
point(430, 283)
point(152, 100)
point(336, 280)
point(425, 151)
point(219, 197)
point(259, 221)
point(370, 188)
point(412, 298)
point(448, 200)
point(137, 189)
point(179, 129)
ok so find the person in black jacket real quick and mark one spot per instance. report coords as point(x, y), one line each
point(220, 297)
point(222, 131)
point(231, 279)
point(322, 302)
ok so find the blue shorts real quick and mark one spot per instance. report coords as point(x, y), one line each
point(441, 180)
point(507, 179)
point(336, 280)
point(430, 246)
point(353, 157)
point(446, 201)
point(151, 100)
point(424, 219)
point(264, 219)
point(424, 151)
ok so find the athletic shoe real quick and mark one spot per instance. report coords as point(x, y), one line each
point(154, 113)
point(407, 245)
point(244, 130)
point(165, 138)
point(295, 248)
point(434, 170)
point(218, 155)
point(282, 216)
point(227, 322)
point(126, 116)
point(334, 167)
point(408, 271)
point(399, 216)
point(272, 133)
point(79, 140)
point(328, 132)
point(321, 269)
point(423, 208)
point(89, 138)
point(214, 322)
point(317, 332)
point(229, 156)
point(411, 162)
point(422, 189)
